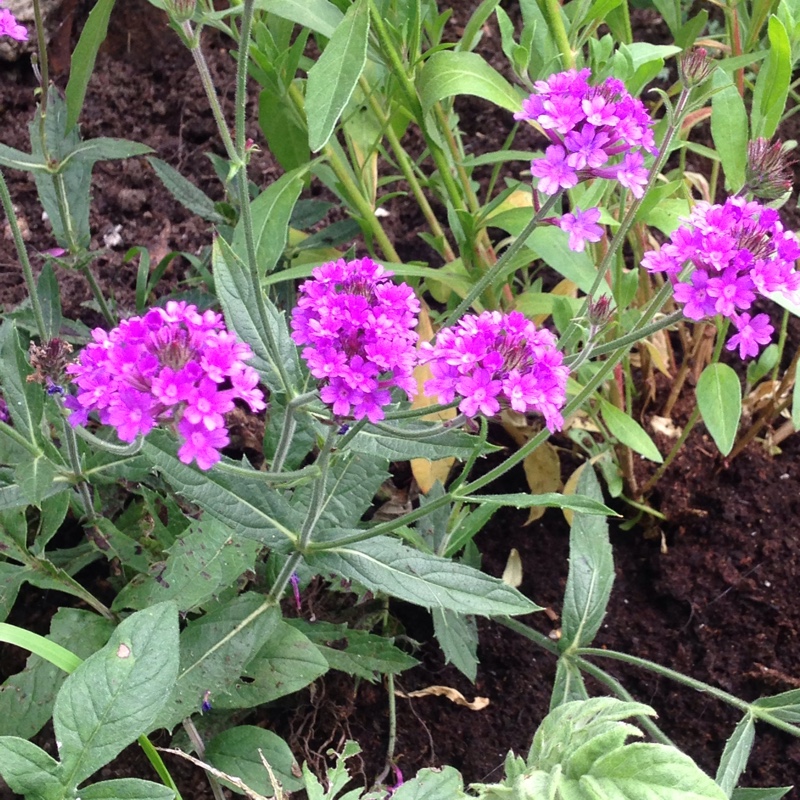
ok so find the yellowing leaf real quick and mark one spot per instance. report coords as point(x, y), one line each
point(426, 472)
point(543, 474)
point(451, 694)
point(569, 488)
point(564, 288)
point(517, 199)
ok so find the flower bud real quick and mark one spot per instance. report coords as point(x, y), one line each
point(180, 11)
point(599, 311)
point(768, 173)
point(695, 66)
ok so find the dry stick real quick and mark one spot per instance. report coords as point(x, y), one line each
point(200, 747)
point(683, 373)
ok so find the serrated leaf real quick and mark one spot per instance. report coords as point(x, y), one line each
point(363, 654)
point(734, 758)
point(248, 506)
point(185, 192)
point(35, 478)
point(49, 299)
point(772, 793)
point(458, 444)
point(719, 398)
point(385, 565)
point(26, 699)
point(114, 696)
point(212, 657)
point(629, 431)
point(449, 73)
point(12, 577)
point(25, 400)
point(333, 78)
point(28, 770)
point(203, 562)
point(784, 706)
point(236, 752)
point(236, 296)
point(107, 149)
point(126, 789)
point(575, 502)
point(433, 784)
point(286, 663)
point(591, 572)
point(457, 635)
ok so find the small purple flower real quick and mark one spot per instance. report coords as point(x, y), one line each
point(731, 252)
point(358, 328)
point(10, 27)
point(510, 364)
point(582, 227)
point(594, 131)
point(172, 366)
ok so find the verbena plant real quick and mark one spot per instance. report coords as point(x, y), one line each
point(360, 370)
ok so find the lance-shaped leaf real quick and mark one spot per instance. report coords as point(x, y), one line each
point(575, 502)
point(591, 571)
point(24, 398)
point(457, 635)
point(438, 445)
point(385, 565)
point(736, 754)
point(247, 505)
point(114, 696)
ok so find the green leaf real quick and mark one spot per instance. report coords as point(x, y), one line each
point(784, 706)
point(729, 129)
point(575, 502)
point(447, 73)
point(236, 752)
point(213, 657)
point(12, 496)
point(26, 699)
point(772, 84)
point(319, 15)
point(629, 431)
point(332, 80)
point(49, 299)
point(202, 563)
point(25, 399)
point(271, 212)
point(12, 576)
point(433, 784)
point(247, 506)
point(116, 694)
point(736, 754)
point(83, 58)
point(457, 635)
point(17, 159)
point(568, 685)
point(28, 770)
point(773, 793)
point(449, 443)
point(286, 138)
point(353, 481)
point(126, 789)
point(385, 565)
point(286, 663)
point(107, 149)
point(235, 292)
point(364, 654)
point(719, 398)
point(591, 571)
point(796, 398)
point(35, 477)
point(550, 244)
point(185, 192)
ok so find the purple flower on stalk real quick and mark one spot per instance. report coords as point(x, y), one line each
point(10, 27)
point(172, 366)
point(358, 328)
point(596, 131)
point(582, 227)
point(733, 252)
point(494, 361)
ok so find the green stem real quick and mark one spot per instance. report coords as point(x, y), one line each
point(555, 21)
point(619, 237)
point(63, 211)
point(98, 295)
point(407, 168)
point(117, 449)
point(687, 429)
point(19, 439)
point(200, 749)
point(317, 501)
point(44, 69)
point(276, 477)
point(288, 429)
point(421, 433)
point(24, 261)
point(497, 269)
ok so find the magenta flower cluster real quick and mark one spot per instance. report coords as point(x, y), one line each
point(173, 366)
point(595, 132)
point(358, 330)
point(736, 251)
point(10, 27)
point(494, 361)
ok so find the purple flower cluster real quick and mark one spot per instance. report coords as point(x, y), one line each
point(10, 27)
point(493, 361)
point(174, 365)
point(595, 132)
point(736, 250)
point(358, 328)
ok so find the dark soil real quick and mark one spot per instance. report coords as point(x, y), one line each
point(716, 600)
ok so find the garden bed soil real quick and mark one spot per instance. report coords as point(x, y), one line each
point(715, 597)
